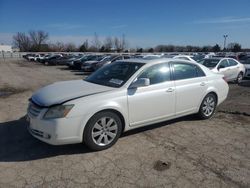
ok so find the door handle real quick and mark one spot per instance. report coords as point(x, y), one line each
point(170, 89)
point(202, 84)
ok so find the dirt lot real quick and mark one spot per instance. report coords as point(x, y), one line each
point(182, 153)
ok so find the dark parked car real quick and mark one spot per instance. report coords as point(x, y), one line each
point(111, 59)
point(51, 58)
point(77, 64)
point(62, 60)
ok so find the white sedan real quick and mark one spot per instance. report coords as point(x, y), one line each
point(185, 57)
point(123, 96)
point(229, 67)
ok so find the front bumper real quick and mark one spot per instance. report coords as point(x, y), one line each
point(56, 131)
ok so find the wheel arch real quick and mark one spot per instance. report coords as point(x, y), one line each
point(115, 111)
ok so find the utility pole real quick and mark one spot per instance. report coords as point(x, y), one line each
point(225, 41)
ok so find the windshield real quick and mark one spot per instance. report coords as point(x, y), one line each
point(108, 58)
point(209, 62)
point(198, 57)
point(115, 74)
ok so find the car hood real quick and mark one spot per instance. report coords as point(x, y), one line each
point(61, 92)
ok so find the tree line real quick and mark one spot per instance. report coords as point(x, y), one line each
point(38, 41)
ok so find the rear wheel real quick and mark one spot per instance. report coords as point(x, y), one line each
point(102, 131)
point(239, 78)
point(208, 106)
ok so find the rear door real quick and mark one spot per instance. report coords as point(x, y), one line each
point(190, 86)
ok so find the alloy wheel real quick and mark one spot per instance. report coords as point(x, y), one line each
point(104, 131)
point(208, 106)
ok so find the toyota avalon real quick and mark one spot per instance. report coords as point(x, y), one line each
point(123, 96)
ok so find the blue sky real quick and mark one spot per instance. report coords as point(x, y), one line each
point(145, 23)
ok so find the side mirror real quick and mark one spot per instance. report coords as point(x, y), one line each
point(221, 67)
point(141, 82)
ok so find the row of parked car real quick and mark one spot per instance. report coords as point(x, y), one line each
point(234, 67)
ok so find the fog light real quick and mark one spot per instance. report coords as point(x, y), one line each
point(47, 136)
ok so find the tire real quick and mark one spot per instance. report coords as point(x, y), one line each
point(239, 78)
point(208, 106)
point(102, 131)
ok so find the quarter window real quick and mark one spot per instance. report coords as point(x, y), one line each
point(157, 73)
point(186, 71)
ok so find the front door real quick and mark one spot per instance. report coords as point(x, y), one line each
point(155, 102)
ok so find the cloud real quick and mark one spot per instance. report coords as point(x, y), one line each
point(223, 20)
point(119, 26)
point(65, 26)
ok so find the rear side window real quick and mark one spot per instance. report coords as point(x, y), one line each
point(232, 62)
point(157, 73)
point(186, 71)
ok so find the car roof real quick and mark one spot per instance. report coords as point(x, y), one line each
point(155, 61)
point(216, 58)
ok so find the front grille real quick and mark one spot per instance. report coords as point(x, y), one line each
point(34, 109)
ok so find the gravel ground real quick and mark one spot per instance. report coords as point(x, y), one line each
point(185, 152)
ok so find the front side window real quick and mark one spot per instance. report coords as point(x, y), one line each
point(186, 71)
point(157, 73)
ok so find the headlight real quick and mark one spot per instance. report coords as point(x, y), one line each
point(59, 111)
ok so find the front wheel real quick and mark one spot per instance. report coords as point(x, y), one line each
point(102, 131)
point(208, 106)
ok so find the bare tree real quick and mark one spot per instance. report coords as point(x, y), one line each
point(108, 44)
point(22, 41)
point(70, 47)
point(38, 38)
point(84, 47)
point(117, 44)
point(96, 42)
point(57, 47)
point(124, 43)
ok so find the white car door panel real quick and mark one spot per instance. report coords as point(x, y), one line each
point(190, 86)
point(223, 67)
point(154, 102)
point(189, 93)
point(151, 103)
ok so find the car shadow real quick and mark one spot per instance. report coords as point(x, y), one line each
point(83, 73)
point(64, 68)
point(16, 143)
point(245, 83)
point(159, 125)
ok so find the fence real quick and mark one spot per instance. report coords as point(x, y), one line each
point(12, 55)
